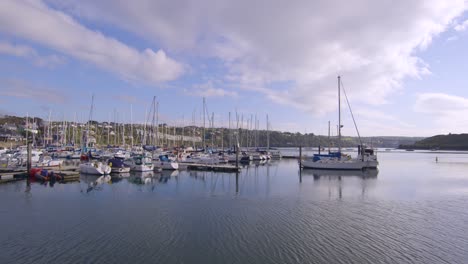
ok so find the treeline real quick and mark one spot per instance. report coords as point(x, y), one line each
point(442, 142)
point(111, 133)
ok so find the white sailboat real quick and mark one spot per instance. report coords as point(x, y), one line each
point(95, 168)
point(338, 160)
point(47, 161)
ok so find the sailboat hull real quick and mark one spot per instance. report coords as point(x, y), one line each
point(335, 164)
point(95, 168)
point(167, 165)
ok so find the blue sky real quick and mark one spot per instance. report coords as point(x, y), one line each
point(402, 64)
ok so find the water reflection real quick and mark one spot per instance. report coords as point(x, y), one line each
point(317, 173)
point(336, 181)
point(93, 182)
point(263, 214)
point(141, 177)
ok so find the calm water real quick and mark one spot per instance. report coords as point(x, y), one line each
point(413, 210)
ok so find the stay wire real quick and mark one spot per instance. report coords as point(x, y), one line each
point(351, 111)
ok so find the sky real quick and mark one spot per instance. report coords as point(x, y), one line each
point(402, 63)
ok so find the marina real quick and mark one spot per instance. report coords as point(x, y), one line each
point(276, 132)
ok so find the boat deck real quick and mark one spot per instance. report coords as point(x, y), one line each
point(213, 167)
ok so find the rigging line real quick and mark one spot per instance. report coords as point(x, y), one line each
point(350, 110)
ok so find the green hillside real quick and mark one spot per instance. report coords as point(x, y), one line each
point(442, 142)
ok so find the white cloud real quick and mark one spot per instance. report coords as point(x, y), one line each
point(208, 90)
point(370, 43)
point(448, 112)
point(36, 22)
point(24, 89)
point(452, 38)
point(440, 103)
point(28, 52)
point(462, 26)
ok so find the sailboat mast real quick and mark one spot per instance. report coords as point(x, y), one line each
point(131, 124)
point(74, 130)
point(153, 134)
point(89, 121)
point(203, 123)
point(339, 114)
point(212, 130)
point(123, 130)
point(229, 130)
point(268, 132)
point(157, 123)
point(329, 137)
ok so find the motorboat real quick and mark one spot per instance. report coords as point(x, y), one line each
point(141, 163)
point(165, 163)
point(118, 165)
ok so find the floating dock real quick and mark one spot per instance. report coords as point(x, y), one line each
point(290, 157)
point(12, 177)
point(213, 167)
point(8, 177)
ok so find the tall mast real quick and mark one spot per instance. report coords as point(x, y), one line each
point(143, 139)
point(183, 129)
point(153, 121)
point(34, 134)
point(203, 141)
point(44, 135)
point(48, 127)
point(123, 130)
point(131, 124)
point(212, 130)
point(89, 120)
point(115, 128)
point(193, 129)
point(268, 133)
point(27, 124)
point(74, 130)
point(229, 126)
point(329, 137)
point(339, 114)
point(157, 123)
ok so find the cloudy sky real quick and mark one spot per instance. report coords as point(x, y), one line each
point(403, 63)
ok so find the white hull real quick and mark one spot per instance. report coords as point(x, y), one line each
point(120, 170)
point(167, 165)
point(206, 160)
point(74, 156)
point(183, 166)
point(50, 163)
point(141, 168)
point(95, 168)
point(142, 164)
point(372, 164)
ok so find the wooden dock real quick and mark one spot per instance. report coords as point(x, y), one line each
point(12, 177)
point(23, 169)
point(290, 157)
point(8, 177)
point(213, 167)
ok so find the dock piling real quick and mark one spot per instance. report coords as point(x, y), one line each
point(300, 157)
point(28, 164)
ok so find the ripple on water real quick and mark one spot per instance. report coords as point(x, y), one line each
point(200, 218)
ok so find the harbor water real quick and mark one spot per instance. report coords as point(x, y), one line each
point(412, 210)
